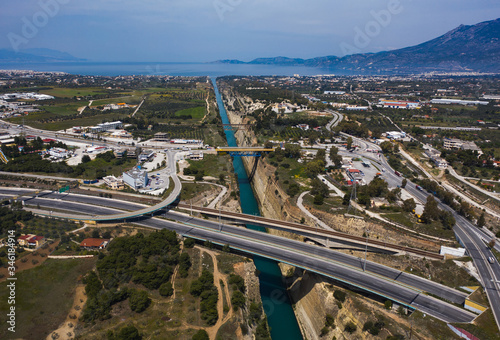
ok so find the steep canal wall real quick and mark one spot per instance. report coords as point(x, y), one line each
point(311, 299)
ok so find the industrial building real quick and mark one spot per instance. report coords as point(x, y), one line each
point(396, 104)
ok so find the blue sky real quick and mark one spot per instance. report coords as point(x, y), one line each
point(206, 30)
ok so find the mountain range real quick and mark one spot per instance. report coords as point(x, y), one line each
point(36, 55)
point(465, 48)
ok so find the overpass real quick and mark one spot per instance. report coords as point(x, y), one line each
point(172, 197)
point(403, 288)
point(308, 231)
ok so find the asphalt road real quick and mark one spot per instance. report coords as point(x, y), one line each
point(469, 235)
point(309, 257)
point(303, 251)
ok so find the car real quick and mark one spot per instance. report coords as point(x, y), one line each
point(491, 259)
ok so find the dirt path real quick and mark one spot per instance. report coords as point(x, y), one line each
point(212, 331)
point(65, 331)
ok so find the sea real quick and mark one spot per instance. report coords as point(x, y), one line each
point(170, 69)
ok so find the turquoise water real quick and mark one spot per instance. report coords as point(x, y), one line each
point(275, 300)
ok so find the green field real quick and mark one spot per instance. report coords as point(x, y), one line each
point(35, 121)
point(132, 100)
point(63, 92)
point(197, 113)
point(44, 296)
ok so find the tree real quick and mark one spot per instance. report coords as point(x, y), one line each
point(139, 300)
point(319, 199)
point(321, 155)
point(403, 183)
point(315, 167)
point(238, 300)
point(86, 159)
point(386, 147)
point(201, 335)
point(447, 220)
point(93, 285)
point(128, 333)
point(409, 205)
point(319, 188)
point(350, 327)
point(349, 143)
point(431, 210)
point(95, 233)
point(491, 244)
point(481, 221)
point(335, 157)
point(292, 150)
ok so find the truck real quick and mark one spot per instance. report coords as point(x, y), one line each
point(418, 187)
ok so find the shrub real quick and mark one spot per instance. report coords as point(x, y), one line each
point(139, 300)
point(128, 333)
point(350, 327)
point(340, 295)
point(189, 242)
point(166, 289)
point(329, 321)
point(200, 335)
point(238, 300)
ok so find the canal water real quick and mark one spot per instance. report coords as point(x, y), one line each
point(275, 300)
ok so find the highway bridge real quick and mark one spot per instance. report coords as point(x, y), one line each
point(123, 216)
point(403, 288)
point(308, 231)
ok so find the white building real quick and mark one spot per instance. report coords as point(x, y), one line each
point(113, 182)
point(136, 178)
point(58, 153)
point(334, 92)
point(106, 127)
point(357, 108)
point(395, 135)
point(457, 101)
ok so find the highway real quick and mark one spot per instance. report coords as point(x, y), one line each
point(390, 283)
point(148, 210)
point(101, 205)
point(310, 260)
point(469, 235)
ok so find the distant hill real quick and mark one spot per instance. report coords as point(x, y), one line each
point(466, 48)
point(39, 55)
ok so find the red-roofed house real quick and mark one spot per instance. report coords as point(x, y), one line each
point(32, 241)
point(48, 140)
point(354, 171)
point(94, 243)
